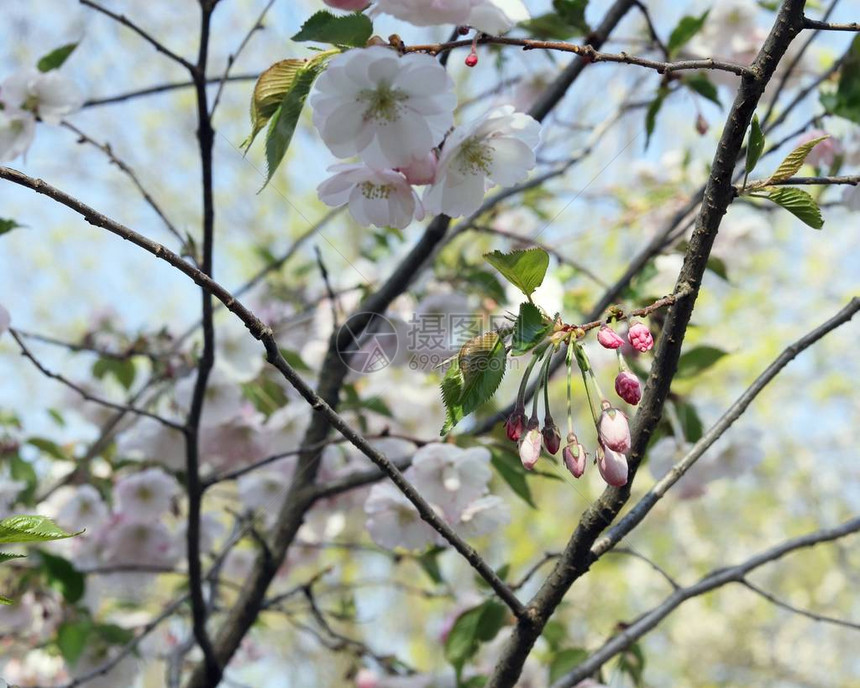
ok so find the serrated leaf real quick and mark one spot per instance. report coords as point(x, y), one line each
point(564, 661)
point(269, 92)
point(755, 145)
point(452, 390)
point(7, 225)
point(266, 395)
point(701, 84)
point(63, 577)
point(282, 126)
point(688, 27)
point(525, 269)
point(697, 360)
point(9, 556)
point(6, 601)
point(482, 362)
point(510, 469)
point(352, 30)
point(31, 529)
point(800, 204)
point(530, 329)
point(56, 58)
point(794, 161)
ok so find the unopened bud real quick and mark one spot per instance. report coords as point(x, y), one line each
point(640, 337)
point(515, 424)
point(551, 438)
point(609, 338)
point(530, 447)
point(702, 125)
point(628, 388)
point(613, 429)
point(472, 58)
point(612, 466)
point(574, 457)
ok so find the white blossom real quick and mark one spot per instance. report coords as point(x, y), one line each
point(16, 133)
point(49, 95)
point(450, 477)
point(145, 496)
point(150, 440)
point(139, 544)
point(497, 16)
point(392, 520)
point(222, 401)
point(83, 508)
point(376, 197)
point(488, 16)
point(483, 516)
point(495, 149)
point(386, 109)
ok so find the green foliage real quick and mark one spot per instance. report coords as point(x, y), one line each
point(510, 469)
point(266, 395)
point(49, 447)
point(72, 637)
point(698, 360)
point(295, 360)
point(755, 145)
point(22, 470)
point(688, 27)
point(530, 329)
point(352, 30)
point(799, 203)
point(477, 625)
point(7, 225)
point(429, 563)
point(564, 661)
point(632, 663)
point(652, 112)
point(701, 84)
point(525, 269)
point(269, 92)
point(845, 102)
point(56, 58)
point(794, 161)
point(63, 577)
point(122, 370)
point(565, 21)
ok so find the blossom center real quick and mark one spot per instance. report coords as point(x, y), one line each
point(373, 191)
point(474, 157)
point(382, 104)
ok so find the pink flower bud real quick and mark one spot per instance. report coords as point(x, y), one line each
point(472, 59)
point(609, 338)
point(613, 429)
point(420, 171)
point(574, 458)
point(530, 448)
point(551, 438)
point(640, 337)
point(628, 388)
point(702, 125)
point(365, 678)
point(612, 466)
point(348, 5)
point(515, 424)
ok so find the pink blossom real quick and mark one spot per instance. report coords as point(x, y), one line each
point(348, 5)
point(609, 338)
point(824, 153)
point(612, 466)
point(145, 496)
point(575, 457)
point(613, 429)
point(530, 448)
point(640, 337)
point(365, 678)
point(628, 388)
point(420, 171)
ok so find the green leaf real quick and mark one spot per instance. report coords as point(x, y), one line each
point(478, 681)
point(472, 627)
point(9, 556)
point(652, 112)
point(482, 362)
point(63, 577)
point(530, 329)
point(718, 267)
point(122, 370)
point(572, 13)
point(702, 85)
point(269, 91)
point(283, 123)
point(688, 27)
point(794, 161)
point(846, 101)
point(31, 529)
point(510, 468)
point(525, 269)
point(266, 395)
point(8, 225)
point(50, 448)
point(72, 639)
point(352, 30)
point(113, 634)
point(452, 391)
point(755, 144)
point(22, 470)
point(800, 204)
point(567, 21)
point(632, 663)
point(295, 360)
point(697, 360)
point(56, 58)
point(429, 562)
point(565, 661)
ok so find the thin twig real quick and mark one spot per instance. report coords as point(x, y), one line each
point(797, 610)
point(829, 26)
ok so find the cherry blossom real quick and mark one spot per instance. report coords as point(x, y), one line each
point(348, 5)
point(574, 456)
point(392, 520)
point(450, 477)
point(497, 16)
point(612, 466)
point(495, 149)
point(388, 110)
point(613, 429)
point(82, 507)
point(488, 16)
point(139, 543)
point(640, 337)
point(628, 387)
point(150, 440)
point(17, 130)
point(421, 171)
point(222, 400)
point(530, 445)
point(483, 516)
point(376, 197)
point(48, 95)
point(851, 198)
point(145, 496)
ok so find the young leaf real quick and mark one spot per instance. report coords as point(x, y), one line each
point(31, 529)
point(572, 13)
point(755, 145)
point(472, 627)
point(352, 30)
point(685, 30)
point(9, 556)
point(282, 126)
point(8, 225)
point(63, 577)
point(72, 639)
point(269, 92)
point(452, 390)
point(564, 661)
point(123, 370)
point(529, 329)
point(702, 85)
point(846, 101)
point(800, 204)
point(56, 58)
point(697, 360)
point(482, 362)
point(652, 112)
point(525, 269)
point(794, 161)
